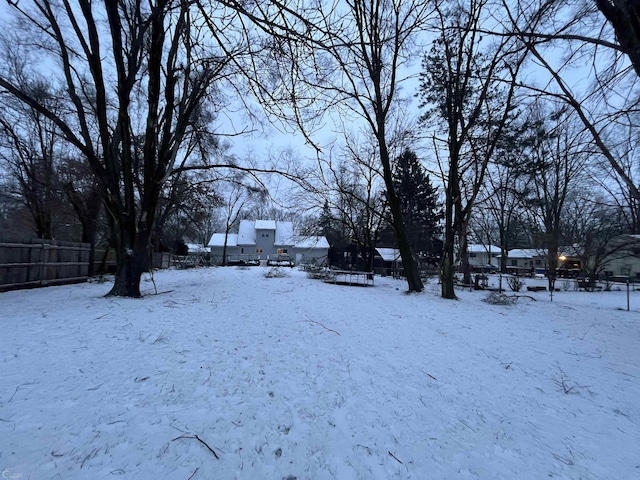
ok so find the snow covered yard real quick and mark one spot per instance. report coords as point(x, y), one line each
point(228, 374)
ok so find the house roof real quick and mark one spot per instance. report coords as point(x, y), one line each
point(480, 248)
point(247, 233)
point(217, 240)
point(389, 254)
point(526, 253)
point(311, 242)
point(265, 224)
point(196, 248)
point(284, 233)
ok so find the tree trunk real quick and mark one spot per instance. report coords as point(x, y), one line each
point(408, 262)
point(224, 252)
point(131, 242)
point(87, 213)
point(624, 16)
point(447, 265)
point(464, 256)
point(130, 264)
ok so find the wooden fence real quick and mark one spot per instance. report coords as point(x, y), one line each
point(50, 262)
point(41, 263)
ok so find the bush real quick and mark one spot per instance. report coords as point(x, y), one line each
point(515, 283)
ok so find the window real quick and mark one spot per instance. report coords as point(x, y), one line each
point(514, 263)
point(242, 250)
point(258, 250)
point(472, 255)
point(282, 251)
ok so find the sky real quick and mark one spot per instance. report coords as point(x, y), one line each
point(224, 373)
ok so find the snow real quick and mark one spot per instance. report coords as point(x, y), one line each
point(389, 254)
point(290, 377)
point(311, 242)
point(218, 239)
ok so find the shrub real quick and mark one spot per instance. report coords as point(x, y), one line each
point(515, 283)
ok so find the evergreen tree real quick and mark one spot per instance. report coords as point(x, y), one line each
point(419, 202)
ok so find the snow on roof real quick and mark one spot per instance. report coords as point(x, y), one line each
point(311, 242)
point(480, 248)
point(389, 254)
point(247, 233)
point(196, 248)
point(526, 253)
point(217, 240)
point(284, 233)
point(265, 224)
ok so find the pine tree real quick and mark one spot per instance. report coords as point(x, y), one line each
point(419, 202)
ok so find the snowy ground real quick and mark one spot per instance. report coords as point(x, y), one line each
point(292, 378)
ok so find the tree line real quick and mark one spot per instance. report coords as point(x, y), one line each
point(115, 107)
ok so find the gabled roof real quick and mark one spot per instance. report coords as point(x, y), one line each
point(311, 242)
point(247, 232)
point(389, 254)
point(217, 240)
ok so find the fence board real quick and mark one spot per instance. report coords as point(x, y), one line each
point(50, 262)
point(41, 263)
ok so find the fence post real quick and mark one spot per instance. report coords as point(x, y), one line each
point(44, 268)
point(628, 294)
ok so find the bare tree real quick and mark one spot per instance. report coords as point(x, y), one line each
point(471, 88)
point(83, 193)
point(610, 100)
point(135, 75)
point(595, 230)
point(624, 16)
point(557, 160)
point(346, 55)
point(31, 151)
point(239, 196)
point(499, 210)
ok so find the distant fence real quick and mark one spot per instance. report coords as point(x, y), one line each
point(41, 263)
point(50, 262)
point(104, 260)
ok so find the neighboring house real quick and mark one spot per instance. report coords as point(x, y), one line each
point(620, 259)
point(259, 240)
point(521, 260)
point(483, 255)
point(624, 262)
point(387, 261)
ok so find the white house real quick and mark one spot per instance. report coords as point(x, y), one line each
point(259, 240)
point(526, 259)
point(483, 255)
